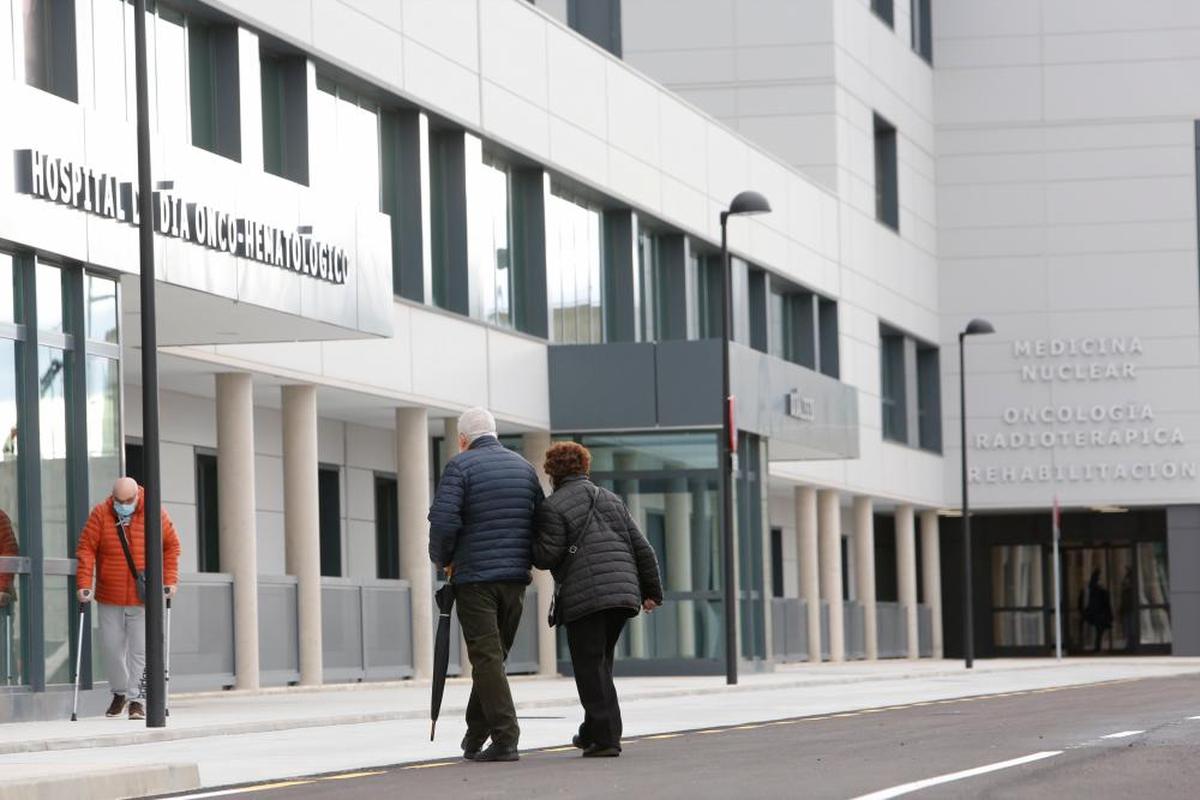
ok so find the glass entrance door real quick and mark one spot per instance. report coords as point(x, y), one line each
point(1098, 598)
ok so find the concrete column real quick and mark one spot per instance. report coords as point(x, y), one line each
point(535, 446)
point(637, 510)
point(807, 555)
point(864, 564)
point(931, 574)
point(302, 524)
point(412, 488)
point(236, 521)
point(678, 504)
point(830, 528)
point(906, 576)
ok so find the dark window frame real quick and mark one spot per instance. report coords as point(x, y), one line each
point(208, 526)
point(893, 394)
point(387, 536)
point(887, 173)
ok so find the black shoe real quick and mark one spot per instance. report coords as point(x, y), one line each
point(580, 742)
point(117, 708)
point(601, 751)
point(136, 711)
point(471, 747)
point(495, 752)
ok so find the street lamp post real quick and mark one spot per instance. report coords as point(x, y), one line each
point(744, 204)
point(156, 706)
point(975, 327)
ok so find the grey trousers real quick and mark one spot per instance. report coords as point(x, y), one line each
point(123, 646)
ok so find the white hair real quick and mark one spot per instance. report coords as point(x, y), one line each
point(476, 422)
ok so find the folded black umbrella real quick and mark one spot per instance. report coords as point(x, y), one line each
point(441, 653)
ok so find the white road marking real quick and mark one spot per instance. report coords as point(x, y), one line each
point(906, 788)
point(1193, 717)
point(1121, 734)
point(244, 790)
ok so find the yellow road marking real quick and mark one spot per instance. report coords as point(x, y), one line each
point(722, 730)
point(565, 749)
point(780, 722)
point(350, 775)
point(747, 727)
point(431, 766)
point(847, 714)
point(663, 736)
point(280, 785)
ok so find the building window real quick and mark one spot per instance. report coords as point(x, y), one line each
point(887, 195)
point(103, 378)
point(829, 361)
point(208, 541)
point(490, 261)
point(929, 398)
point(704, 297)
point(598, 20)
point(574, 267)
point(214, 84)
point(777, 582)
point(922, 30)
point(285, 117)
point(50, 47)
point(387, 529)
point(329, 494)
point(650, 291)
point(892, 385)
point(885, 10)
point(345, 131)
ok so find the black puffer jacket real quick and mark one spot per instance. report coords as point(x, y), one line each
point(482, 515)
point(614, 567)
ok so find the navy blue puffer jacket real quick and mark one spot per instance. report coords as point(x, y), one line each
point(482, 516)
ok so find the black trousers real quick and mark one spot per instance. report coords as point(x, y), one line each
point(490, 614)
point(592, 640)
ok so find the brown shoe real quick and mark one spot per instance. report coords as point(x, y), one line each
point(136, 711)
point(117, 706)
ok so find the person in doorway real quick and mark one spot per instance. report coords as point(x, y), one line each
point(481, 532)
point(115, 533)
point(1128, 609)
point(1097, 608)
point(607, 573)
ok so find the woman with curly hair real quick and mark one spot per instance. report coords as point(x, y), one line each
point(605, 573)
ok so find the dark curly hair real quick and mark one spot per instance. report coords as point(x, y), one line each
point(565, 459)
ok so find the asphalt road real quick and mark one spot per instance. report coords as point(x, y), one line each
point(1115, 740)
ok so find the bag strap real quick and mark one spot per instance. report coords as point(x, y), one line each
point(125, 547)
point(573, 547)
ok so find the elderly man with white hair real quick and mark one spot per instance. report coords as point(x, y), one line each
point(481, 533)
point(113, 546)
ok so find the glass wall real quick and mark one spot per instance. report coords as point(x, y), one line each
point(14, 583)
point(60, 419)
point(703, 297)
point(574, 271)
point(671, 485)
point(490, 260)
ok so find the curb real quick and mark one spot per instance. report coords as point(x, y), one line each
point(266, 726)
point(99, 784)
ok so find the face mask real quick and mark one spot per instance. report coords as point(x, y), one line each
point(124, 510)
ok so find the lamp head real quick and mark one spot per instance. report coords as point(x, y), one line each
point(977, 327)
point(749, 202)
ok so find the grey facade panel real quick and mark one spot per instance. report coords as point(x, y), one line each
point(602, 387)
point(529, 247)
point(620, 253)
point(1183, 546)
point(688, 383)
point(677, 384)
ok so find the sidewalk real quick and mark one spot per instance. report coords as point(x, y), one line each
point(235, 736)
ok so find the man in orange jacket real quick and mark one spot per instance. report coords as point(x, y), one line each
point(122, 612)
